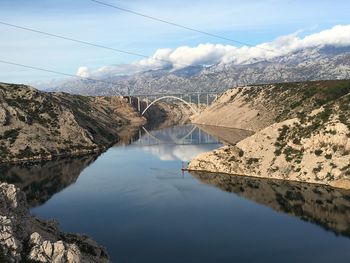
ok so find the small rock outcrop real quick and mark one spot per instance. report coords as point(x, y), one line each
point(24, 238)
point(46, 251)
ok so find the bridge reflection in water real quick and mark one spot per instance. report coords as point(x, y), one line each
point(184, 135)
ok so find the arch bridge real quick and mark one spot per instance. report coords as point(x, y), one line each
point(144, 101)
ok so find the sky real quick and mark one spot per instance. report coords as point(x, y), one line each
point(250, 21)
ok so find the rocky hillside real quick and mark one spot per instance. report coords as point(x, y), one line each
point(317, 63)
point(37, 125)
point(306, 135)
point(256, 107)
point(24, 238)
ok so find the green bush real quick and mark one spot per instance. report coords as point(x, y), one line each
point(10, 135)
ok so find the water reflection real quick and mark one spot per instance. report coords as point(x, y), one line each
point(168, 152)
point(180, 143)
point(185, 142)
point(180, 135)
point(226, 135)
point(41, 181)
point(325, 206)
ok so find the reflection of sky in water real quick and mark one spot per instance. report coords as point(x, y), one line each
point(184, 153)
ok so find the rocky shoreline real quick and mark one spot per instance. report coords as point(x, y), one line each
point(24, 238)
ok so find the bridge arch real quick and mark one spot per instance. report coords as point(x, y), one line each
point(169, 97)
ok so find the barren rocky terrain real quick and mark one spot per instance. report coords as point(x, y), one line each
point(302, 132)
point(37, 125)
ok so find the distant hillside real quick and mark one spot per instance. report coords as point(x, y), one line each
point(303, 132)
point(319, 63)
point(36, 125)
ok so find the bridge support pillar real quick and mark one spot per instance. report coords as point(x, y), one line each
point(138, 104)
point(199, 99)
point(207, 99)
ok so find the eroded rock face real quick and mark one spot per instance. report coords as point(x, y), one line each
point(14, 220)
point(23, 237)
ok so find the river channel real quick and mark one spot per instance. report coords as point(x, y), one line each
point(136, 200)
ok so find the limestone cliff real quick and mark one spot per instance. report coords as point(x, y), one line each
point(37, 125)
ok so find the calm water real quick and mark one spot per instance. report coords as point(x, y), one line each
point(136, 201)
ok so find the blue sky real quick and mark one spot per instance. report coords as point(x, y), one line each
point(252, 21)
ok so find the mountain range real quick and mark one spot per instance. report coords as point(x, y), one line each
point(316, 63)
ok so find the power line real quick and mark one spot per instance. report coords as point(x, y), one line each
point(80, 42)
point(170, 23)
point(94, 44)
point(54, 71)
point(179, 25)
point(88, 43)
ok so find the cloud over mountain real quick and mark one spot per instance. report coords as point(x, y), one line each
point(209, 54)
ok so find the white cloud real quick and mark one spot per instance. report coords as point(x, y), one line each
point(207, 54)
point(83, 72)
